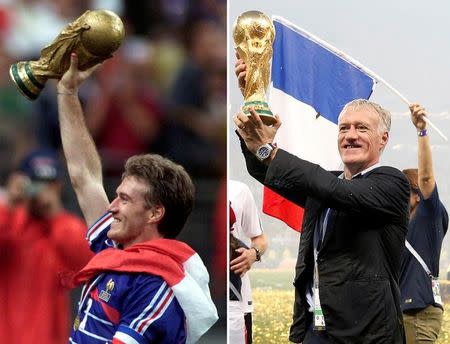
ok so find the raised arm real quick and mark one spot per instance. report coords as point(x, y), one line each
point(83, 161)
point(425, 162)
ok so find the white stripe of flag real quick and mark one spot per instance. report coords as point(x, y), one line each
point(310, 86)
point(125, 338)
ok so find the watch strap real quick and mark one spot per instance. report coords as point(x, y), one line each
point(258, 254)
point(422, 132)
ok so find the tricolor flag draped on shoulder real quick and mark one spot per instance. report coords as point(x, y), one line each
point(310, 85)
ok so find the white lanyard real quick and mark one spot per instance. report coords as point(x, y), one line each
point(418, 257)
point(434, 280)
point(319, 319)
point(236, 292)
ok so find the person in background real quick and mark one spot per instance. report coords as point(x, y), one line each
point(39, 240)
point(198, 101)
point(420, 296)
point(125, 116)
point(247, 228)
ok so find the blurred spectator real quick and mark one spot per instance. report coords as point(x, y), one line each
point(123, 114)
point(198, 98)
point(35, 23)
point(45, 118)
point(15, 126)
point(6, 155)
point(215, 10)
point(144, 17)
point(38, 241)
point(168, 56)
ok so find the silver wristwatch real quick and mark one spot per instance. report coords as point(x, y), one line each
point(264, 151)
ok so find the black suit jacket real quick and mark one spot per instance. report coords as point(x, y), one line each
point(359, 259)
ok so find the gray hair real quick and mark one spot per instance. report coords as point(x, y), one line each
point(385, 115)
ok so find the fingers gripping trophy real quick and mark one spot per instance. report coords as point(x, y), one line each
point(94, 36)
point(253, 35)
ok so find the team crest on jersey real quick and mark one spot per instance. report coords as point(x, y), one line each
point(105, 295)
point(76, 323)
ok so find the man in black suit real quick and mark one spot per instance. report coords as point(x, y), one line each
point(354, 227)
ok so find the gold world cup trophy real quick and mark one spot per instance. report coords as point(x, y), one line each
point(94, 36)
point(253, 35)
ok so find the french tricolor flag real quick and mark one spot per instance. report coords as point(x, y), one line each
point(311, 83)
point(183, 271)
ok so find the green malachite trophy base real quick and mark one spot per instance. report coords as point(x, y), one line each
point(262, 109)
point(25, 81)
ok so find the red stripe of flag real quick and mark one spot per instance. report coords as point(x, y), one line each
point(282, 209)
point(117, 341)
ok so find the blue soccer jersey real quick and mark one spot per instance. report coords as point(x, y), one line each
point(125, 308)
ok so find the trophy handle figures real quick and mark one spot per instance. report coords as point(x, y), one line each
point(94, 36)
point(253, 35)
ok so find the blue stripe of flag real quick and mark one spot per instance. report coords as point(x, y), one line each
point(315, 76)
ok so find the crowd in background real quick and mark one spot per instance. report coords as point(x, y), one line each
point(163, 92)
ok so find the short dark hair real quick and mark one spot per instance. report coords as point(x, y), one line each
point(169, 185)
point(412, 174)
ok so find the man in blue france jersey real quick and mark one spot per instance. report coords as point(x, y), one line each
point(142, 286)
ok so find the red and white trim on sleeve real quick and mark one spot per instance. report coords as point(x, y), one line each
point(155, 309)
point(99, 226)
point(159, 310)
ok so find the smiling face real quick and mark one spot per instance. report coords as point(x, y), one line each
point(132, 218)
point(360, 140)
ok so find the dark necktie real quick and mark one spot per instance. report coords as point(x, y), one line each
point(323, 226)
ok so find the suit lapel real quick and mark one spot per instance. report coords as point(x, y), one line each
point(312, 210)
point(333, 218)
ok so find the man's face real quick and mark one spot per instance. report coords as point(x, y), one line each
point(360, 142)
point(129, 212)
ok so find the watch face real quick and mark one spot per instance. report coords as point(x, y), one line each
point(263, 152)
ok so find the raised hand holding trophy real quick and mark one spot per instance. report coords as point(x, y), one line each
point(253, 35)
point(94, 36)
